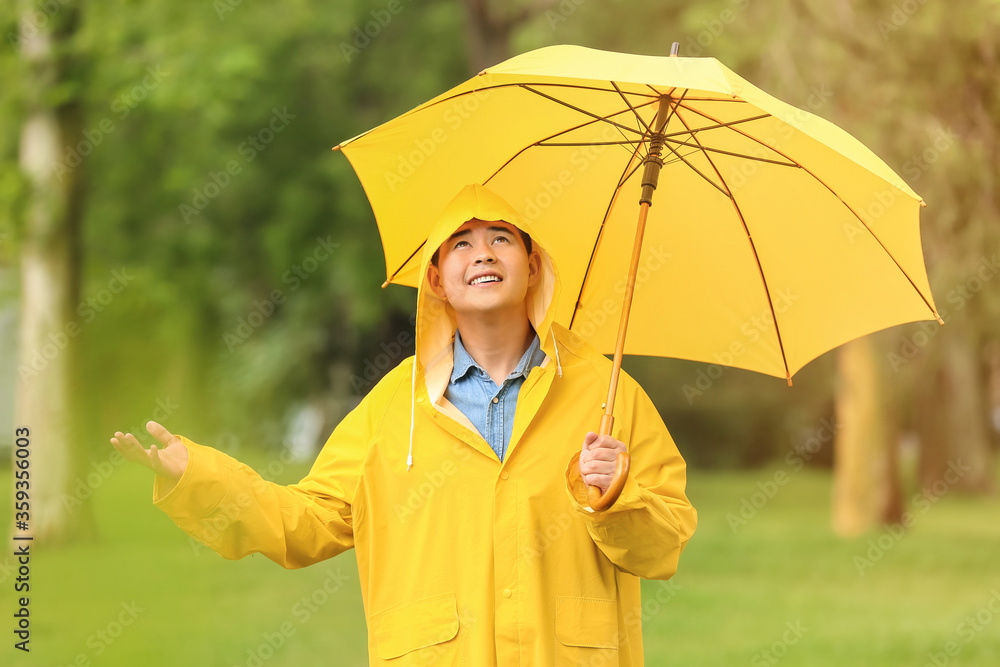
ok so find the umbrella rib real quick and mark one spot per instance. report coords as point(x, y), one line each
point(839, 198)
point(625, 100)
point(583, 111)
point(724, 191)
point(626, 174)
point(718, 125)
point(407, 261)
point(660, 94)
point(570, 85)
point(593, 143)
point(753, 248)
point(600, 233)
point(739, 155)
point(428, 105)
point(673, 111)
point(716, 99)
point(597, 119)
point(552, 136)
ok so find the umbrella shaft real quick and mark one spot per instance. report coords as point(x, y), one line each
point(654, 161)
point(609, 405)
point(650, 177)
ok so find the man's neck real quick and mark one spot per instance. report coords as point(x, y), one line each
point(497, 346)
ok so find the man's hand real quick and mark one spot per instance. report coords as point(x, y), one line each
point(169, 461)
point(598, 459)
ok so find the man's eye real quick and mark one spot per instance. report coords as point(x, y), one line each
point(461, 243)
point(501, 238)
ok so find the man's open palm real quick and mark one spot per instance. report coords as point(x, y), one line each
point(169, 460)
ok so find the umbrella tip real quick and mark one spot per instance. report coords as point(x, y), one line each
point(789, 378)
point(938, 318)
point(337, 147)
point(923, 204)
point(385, 284)
point(675, 49)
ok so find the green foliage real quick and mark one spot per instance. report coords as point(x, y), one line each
point(188, 186)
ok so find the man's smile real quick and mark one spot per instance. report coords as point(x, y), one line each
point(485, 278)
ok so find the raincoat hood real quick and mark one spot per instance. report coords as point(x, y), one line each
point(436, 321)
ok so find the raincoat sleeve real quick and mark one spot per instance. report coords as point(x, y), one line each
point(646, 529)
point(227, 506)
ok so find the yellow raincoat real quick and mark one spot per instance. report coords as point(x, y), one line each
point(464, 559)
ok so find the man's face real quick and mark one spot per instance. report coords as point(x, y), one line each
point(484, 268)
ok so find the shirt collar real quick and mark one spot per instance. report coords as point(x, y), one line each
point(532, 357)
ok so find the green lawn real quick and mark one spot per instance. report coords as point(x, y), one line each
point(780, 590)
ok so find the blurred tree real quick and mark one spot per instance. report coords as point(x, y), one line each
point(490, 28)
point(921, 79)
point(866, 490)
point(50, 268)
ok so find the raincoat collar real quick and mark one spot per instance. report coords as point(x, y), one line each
point(436, 323)
point(464, 361)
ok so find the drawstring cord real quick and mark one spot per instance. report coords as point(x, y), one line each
point(413, 401)
point(556, 346)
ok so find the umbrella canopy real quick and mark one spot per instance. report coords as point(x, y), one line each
point(773, 236)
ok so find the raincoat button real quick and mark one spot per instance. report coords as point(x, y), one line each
point(506, 592)
point(504, 475)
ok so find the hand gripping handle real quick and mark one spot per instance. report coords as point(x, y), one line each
point(599, 502)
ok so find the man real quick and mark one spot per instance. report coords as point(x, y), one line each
point(475, 543)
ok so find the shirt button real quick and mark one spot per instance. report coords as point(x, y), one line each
point(496, 400)
point(506, 592)
point(504, 475)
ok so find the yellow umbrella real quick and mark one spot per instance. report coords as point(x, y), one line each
point(776, 235)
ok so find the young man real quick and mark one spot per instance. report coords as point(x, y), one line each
point(475, 543)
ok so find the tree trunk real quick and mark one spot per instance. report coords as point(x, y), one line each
point(50, 280)
point(966, 410)
point(866, 489)
point(487, 31)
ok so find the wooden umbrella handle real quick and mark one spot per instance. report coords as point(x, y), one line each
point(599, 502)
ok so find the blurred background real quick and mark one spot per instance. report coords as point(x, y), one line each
point(179, 243)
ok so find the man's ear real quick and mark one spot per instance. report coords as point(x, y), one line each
point(434, 280)
point(534, 267)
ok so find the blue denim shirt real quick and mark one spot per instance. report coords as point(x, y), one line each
point(489, 407)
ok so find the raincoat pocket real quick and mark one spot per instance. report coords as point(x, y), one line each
point(586, 631)
point(419, 632)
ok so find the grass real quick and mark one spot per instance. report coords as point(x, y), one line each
point(779, 590)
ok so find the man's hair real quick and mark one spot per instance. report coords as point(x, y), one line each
point(524, 237)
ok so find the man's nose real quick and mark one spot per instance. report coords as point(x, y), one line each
point(485, 254)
